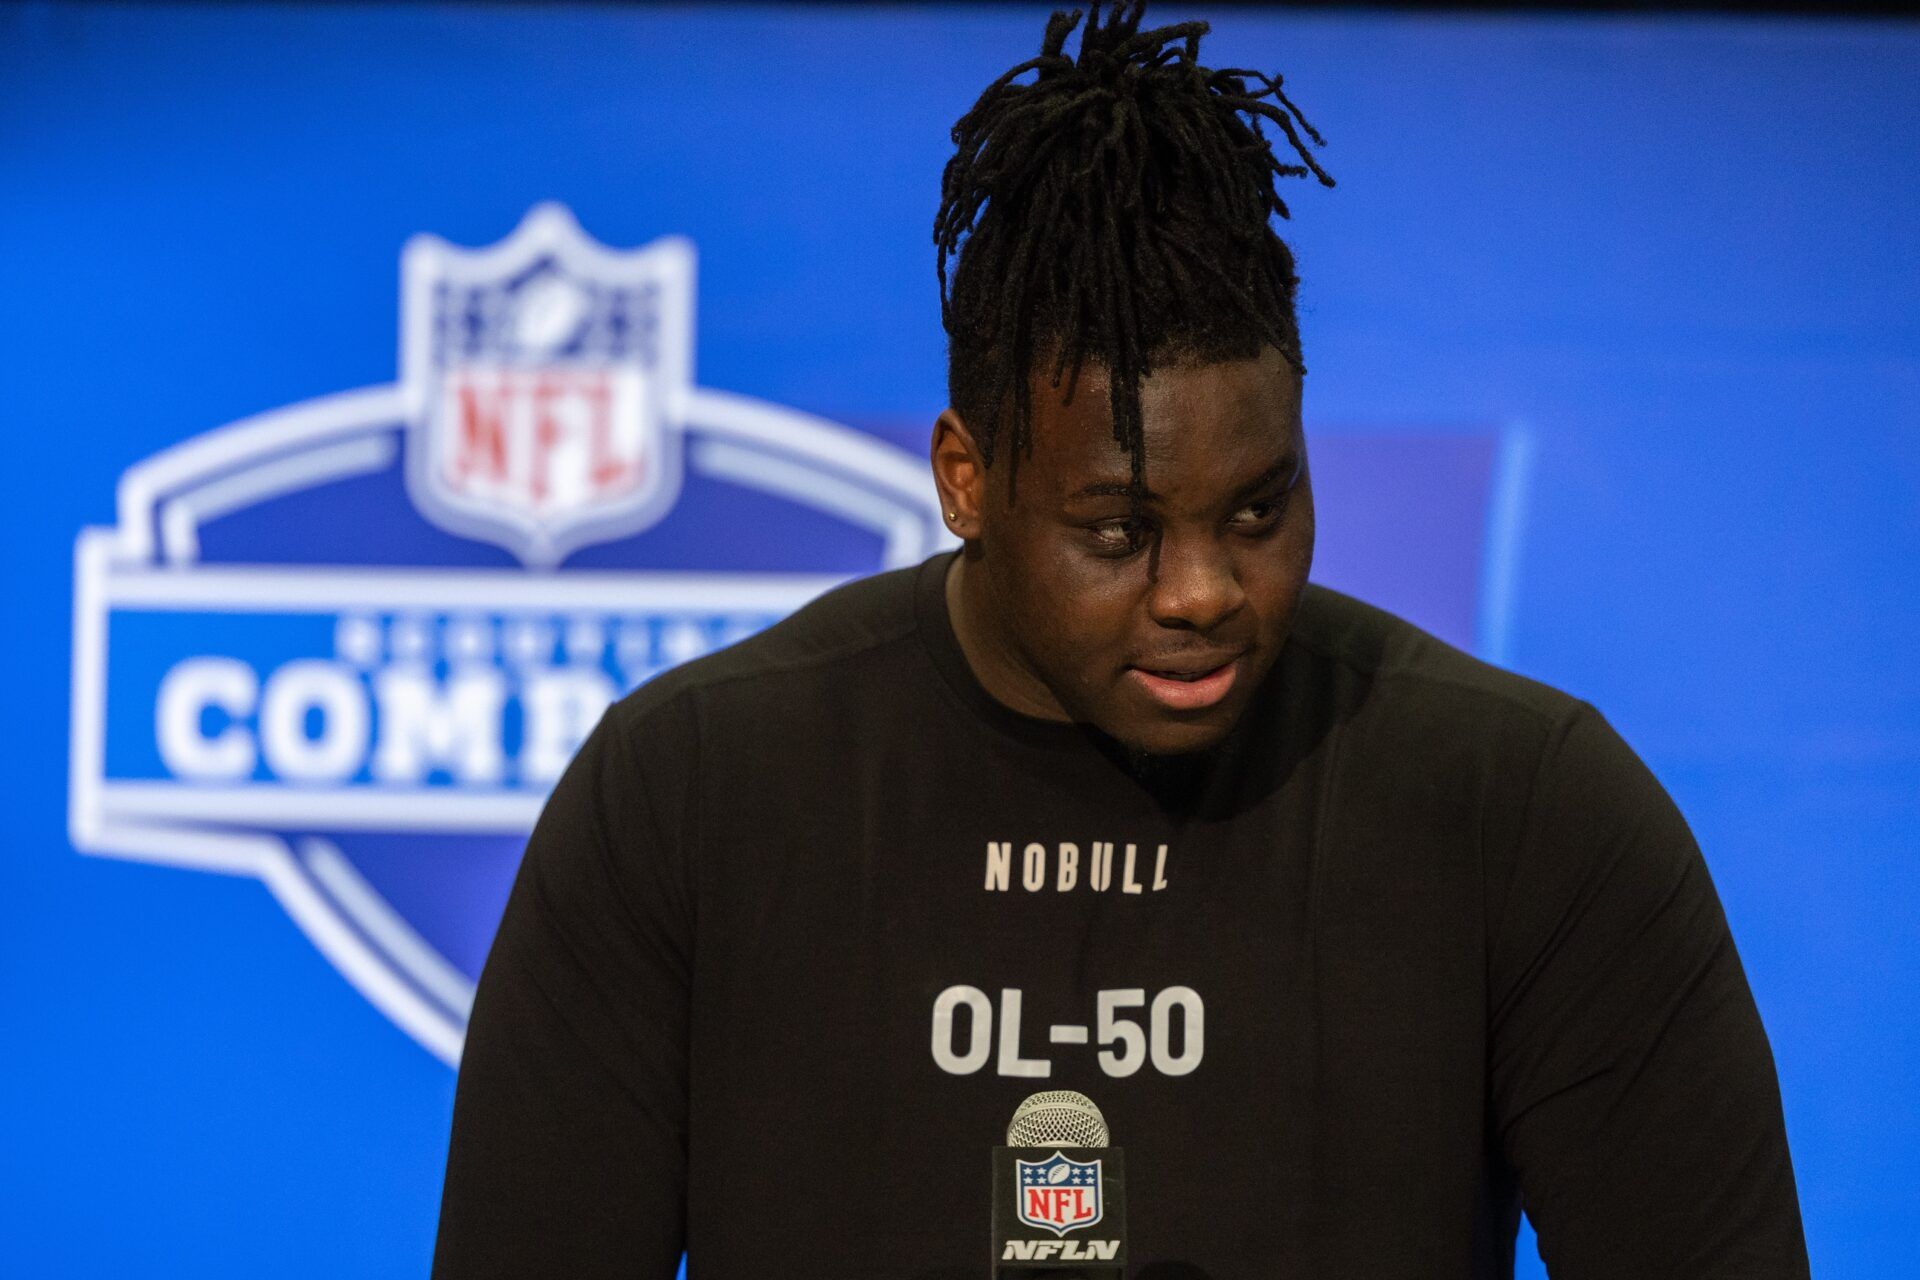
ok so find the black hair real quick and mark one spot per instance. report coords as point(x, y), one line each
point(1115, 209)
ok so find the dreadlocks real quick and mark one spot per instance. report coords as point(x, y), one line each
point(1115, 209)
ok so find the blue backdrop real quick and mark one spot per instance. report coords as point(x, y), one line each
point(1615, 350)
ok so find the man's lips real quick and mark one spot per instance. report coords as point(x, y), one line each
point(1187, 684)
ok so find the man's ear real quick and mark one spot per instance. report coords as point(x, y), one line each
point(958, 473)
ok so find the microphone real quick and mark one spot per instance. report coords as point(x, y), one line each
point(1059, 1193)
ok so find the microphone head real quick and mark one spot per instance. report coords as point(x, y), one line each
point(1058, 1118)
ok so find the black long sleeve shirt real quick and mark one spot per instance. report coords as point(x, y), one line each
point(1420, 943)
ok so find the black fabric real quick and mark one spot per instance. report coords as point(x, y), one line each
point(1454, 947)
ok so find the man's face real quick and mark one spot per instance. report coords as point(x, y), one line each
point(1152, 614)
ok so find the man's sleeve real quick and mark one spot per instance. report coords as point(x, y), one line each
point(568, 1154)
point(1633, 1086)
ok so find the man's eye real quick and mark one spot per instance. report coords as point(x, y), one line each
point(1119, 537)
point(1256, 515)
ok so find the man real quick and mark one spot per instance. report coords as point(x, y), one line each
point(1360, 944)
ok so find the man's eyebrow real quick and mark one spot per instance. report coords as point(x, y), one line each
point(1113, 489)
point(1286, 464)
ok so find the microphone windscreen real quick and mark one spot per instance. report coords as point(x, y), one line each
point(1058, 1118)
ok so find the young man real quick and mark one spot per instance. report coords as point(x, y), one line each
point(1359, 943)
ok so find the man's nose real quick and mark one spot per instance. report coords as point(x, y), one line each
point(1194, 583)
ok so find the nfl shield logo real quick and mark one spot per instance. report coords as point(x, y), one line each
point(1058, 1194)
point(545, 377)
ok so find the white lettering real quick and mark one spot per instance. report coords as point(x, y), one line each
point(1011, 1063)
point(1130, 885)
point(326, 690)
point(999, 865)
point(1160, 869)
point(1128, 1032)
point(1111, 1029)
point(1193, 1032)
point(424, 725)
point(1069, 867)
point(189, 690)
point(979, 1030)
point(1065, 1250)
point(1100, 877)
point(1033, 869)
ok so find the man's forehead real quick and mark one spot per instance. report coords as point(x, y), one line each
point(1246, 393)
point(1229, 428)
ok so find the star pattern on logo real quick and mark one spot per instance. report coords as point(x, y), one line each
point(1035, 1175)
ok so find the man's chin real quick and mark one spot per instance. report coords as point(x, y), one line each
point(1142, 731)
point(1146, 738)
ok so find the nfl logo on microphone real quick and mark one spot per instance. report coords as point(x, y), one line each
point(1058, 1194)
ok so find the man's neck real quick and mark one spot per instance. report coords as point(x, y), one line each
point(995, 664)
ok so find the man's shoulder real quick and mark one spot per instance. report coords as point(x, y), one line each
point(1423, 722)
point(1413, 678)
point(840, 638)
